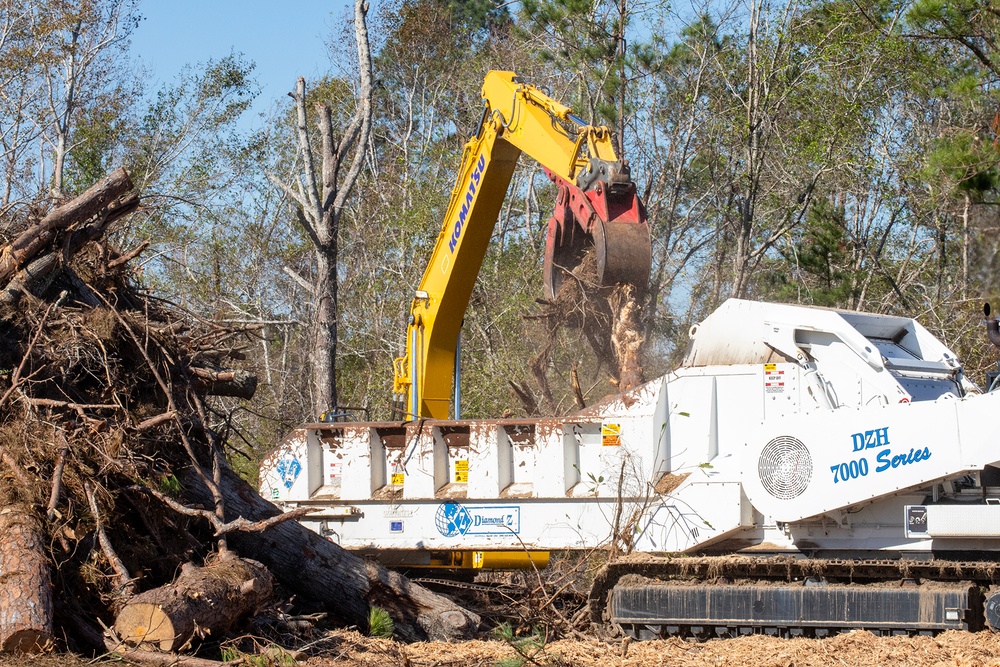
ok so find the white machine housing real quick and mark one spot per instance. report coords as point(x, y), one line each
point(787, 428)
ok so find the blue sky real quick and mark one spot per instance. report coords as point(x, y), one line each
point(285, 38)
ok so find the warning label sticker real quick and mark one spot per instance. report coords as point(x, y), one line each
point(611, 434)
point(774, 380)
point(461, 471)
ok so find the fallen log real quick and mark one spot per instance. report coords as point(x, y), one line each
point(34, 279)
point(213, 382)
point(32, 240)
point(26, 609)
point(317, 569)
point(201, 601)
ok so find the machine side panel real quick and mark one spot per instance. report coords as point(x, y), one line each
point(804, 466)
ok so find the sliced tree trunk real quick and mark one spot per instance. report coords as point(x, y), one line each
point(25, 583)
point(201, 601)
point(317, 569)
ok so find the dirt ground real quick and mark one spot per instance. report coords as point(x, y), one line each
point(343, 648)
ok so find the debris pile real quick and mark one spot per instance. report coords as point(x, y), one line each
point(114, 471)
point(608, 317)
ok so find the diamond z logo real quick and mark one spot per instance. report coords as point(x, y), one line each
point(453, 519)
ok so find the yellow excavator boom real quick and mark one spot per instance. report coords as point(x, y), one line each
point(518, 117)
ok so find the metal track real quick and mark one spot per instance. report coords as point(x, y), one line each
point(646, 597)
point(503, 589)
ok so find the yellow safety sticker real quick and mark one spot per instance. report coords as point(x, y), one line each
point(461, 471)
point(770, 367)
point(398, 478)
point(611, 434)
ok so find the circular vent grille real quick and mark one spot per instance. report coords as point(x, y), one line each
point(785, 467)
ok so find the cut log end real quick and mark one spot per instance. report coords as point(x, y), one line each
point(29, 642)
point(456, 624)
point(201, 601)
point(146, 625)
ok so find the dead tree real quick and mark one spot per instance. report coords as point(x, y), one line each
point(319, 207)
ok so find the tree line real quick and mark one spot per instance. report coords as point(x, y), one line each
point(825, 152)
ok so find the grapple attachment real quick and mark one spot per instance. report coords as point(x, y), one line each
point(601, 214)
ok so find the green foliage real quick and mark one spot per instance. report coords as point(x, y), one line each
point(529, 648)
point(170, 485)
point(588, 40)
point(97, 140)
point(968, 24)
point(821, 262)
point(380, 623)
point(270, 656)
point(478, 15)
point(965, 160)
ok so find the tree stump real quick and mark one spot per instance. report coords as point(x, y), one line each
point(201, 601)
point(25, 583)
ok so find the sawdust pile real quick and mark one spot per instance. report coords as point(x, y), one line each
point(348, 648)
point(608, 317)
point(855, 649)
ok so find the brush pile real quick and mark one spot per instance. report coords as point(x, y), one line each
point(113, 467)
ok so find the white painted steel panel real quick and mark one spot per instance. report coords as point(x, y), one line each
point(954, 521)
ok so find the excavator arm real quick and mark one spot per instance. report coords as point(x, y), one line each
point(597, 207)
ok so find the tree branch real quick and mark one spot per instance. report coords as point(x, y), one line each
point(365, 102)
point(314, 209)
point(125, 581)
point(221, 528)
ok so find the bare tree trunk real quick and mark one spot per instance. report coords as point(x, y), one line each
point(966, 208)
point(26, 590)
point(324, 351)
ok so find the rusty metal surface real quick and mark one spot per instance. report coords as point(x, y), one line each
point(454, 431)
point(624, 253)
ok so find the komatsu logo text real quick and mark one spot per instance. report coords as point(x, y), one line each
point(470, 194)
point(885, 459)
